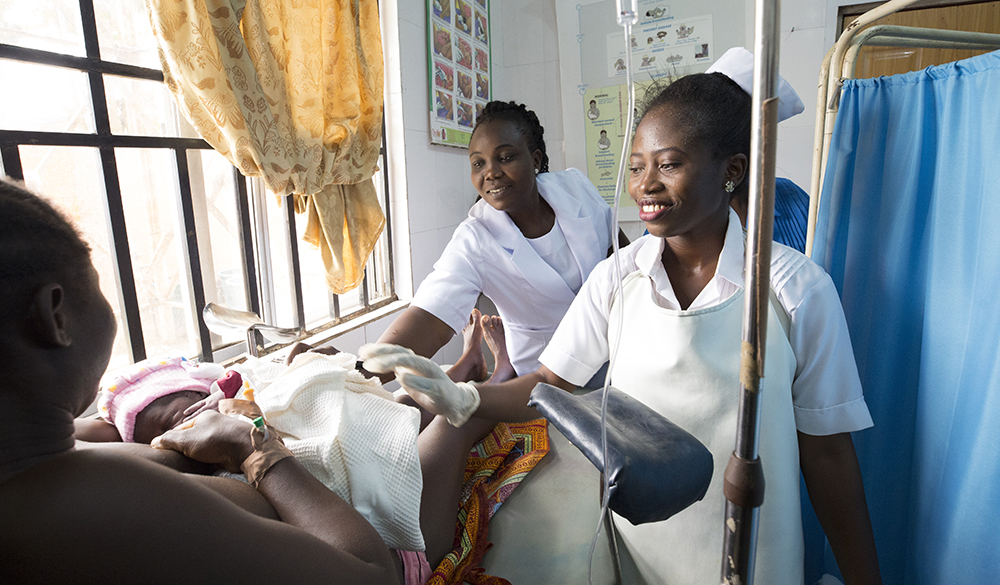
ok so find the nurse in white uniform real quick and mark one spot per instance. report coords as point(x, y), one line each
point(680, 314)
point(528, 244)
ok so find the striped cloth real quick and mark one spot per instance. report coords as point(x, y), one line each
point(495, 467)
point(791, 214)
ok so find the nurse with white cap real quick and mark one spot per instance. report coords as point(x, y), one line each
point(791, 203)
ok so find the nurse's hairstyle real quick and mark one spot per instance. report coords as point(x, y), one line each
point(37, 242)
point(526, 121)
point(712, 108)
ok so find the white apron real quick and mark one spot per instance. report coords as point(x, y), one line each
point(685, 365)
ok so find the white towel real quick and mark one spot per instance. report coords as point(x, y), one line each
point(350, 434)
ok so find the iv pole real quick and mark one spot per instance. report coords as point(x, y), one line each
point(744, 479)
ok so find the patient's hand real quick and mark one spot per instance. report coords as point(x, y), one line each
point(210, 438)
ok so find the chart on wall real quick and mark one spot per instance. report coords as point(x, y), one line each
point(662, 47)
point(661, 44)
point(460, 68)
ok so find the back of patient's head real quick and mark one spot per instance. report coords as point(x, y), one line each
point(38, 245)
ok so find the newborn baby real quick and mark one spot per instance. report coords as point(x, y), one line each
point(146, 400)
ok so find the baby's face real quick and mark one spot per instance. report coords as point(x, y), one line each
point(163, 414)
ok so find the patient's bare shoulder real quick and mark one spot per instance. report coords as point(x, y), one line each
point(87, 511)
point(90, 512)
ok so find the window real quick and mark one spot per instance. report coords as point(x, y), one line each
point(86, 120)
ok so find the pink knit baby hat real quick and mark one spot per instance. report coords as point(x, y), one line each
point(126, 394)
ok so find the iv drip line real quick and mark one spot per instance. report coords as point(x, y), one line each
point(626, 17)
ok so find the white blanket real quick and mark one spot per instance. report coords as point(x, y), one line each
point(350, 434)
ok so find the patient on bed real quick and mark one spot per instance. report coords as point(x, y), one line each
point(70, 514)
point(345, 429)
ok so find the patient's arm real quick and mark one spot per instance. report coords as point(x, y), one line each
point(87, 513)
point(95, 430)
point(165, 457)
point(351, 551)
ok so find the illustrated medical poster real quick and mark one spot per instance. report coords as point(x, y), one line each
point(667, 42)
point(661, 44)
point(460, 84)
point(604, 137)
point(661, 47)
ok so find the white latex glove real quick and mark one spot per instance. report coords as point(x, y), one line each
point(424, 380)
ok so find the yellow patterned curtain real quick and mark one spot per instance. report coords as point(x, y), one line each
point(290, 91)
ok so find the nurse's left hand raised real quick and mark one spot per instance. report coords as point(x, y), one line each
point(423, 380)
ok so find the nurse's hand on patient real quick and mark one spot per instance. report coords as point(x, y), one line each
point(211, 437)
point(423, 380)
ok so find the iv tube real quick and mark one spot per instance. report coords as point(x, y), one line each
point(626, 18)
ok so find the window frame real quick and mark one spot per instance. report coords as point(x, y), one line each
point(250, 194)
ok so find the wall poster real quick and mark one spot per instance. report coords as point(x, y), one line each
point(460, 67)
point(661, 46)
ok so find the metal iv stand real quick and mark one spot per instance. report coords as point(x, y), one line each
point(744, 479)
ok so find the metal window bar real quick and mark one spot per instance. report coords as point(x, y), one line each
point(255, 267)
point(246, 239)
point(388, 217)
point(193, 254)
point(123, 255)
point(335, 306)
point(11, 159)
point(293, 256)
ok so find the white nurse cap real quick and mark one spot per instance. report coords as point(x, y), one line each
point(737, 64)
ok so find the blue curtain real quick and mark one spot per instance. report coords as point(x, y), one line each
point(909, 229)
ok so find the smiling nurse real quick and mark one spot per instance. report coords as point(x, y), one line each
point(528, 245)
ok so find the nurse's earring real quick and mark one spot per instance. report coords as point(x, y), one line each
point(536, 171)
point(730, 186)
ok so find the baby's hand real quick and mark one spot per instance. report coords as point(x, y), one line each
point(210, 402)
point(211, 437)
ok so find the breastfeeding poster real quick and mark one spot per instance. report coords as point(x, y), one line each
point(459, 51)
point(605, 112)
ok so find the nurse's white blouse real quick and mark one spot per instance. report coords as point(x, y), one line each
point(489, 255)
point(826, 390)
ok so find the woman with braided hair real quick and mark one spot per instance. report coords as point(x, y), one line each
point(528, 245)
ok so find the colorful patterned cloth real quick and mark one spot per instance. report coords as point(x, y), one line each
point(496, 465)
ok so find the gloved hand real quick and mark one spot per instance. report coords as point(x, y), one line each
point(423, 380)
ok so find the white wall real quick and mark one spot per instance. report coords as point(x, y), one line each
point(803, 43)
point(430, 184)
